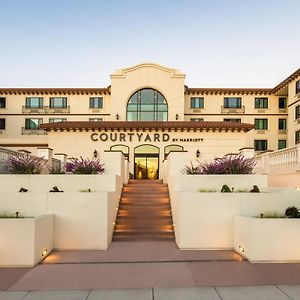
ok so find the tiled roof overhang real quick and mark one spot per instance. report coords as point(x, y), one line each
point(144, 125)
point(227, 91)
point(55, 91)
point(286, 81)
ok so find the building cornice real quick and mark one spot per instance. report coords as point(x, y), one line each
point(55, 91)
point(227, 91)
point(145, 125)
point(286, 81)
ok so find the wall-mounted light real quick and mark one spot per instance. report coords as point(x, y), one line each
point(197, 153)
point(176, 117)
point(44, 252)
point(117, 116)
point(95, 153)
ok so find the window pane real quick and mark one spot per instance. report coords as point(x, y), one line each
point(147, 107)
point(162, 107)
point(282, 103)
point(162, 116)
point(281, 144)
point(297, 136)
point(132, 116)
point(34, 102)
point(58, 102)
point(147, 116)
point(232, 102)
point(147, 96)
point(32, 123)
point(282, 124)
point(298, 87)
point(260, 145)
point(2, 123)
point(297, 112)
point(261, 102)
point(233, 120)
point(261, 124)
point(2, 102)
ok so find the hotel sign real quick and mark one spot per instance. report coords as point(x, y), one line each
point(139, 136)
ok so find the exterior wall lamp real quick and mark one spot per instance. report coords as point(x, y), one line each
point(117, 116)
point(198, 153)
point(95, 153)
point(176, 117)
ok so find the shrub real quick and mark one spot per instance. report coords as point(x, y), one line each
point(225, 189)
point(192, 169)
point(84, 166)
point(292, 212)
point(56, 170)
point(207, 190)
point(229, 164)
point(25, 164)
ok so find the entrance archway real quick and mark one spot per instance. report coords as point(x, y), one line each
point(146, 162)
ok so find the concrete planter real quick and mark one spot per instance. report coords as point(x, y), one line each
point(267, 240)
point(24, 240)
point(206, 220)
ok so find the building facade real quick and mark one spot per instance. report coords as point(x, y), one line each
point(157, 95)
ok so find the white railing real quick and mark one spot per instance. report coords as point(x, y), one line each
point(5, 153)
point(281, 161)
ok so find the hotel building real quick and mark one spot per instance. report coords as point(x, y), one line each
point(148, 111)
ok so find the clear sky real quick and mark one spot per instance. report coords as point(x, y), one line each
point(79, 43)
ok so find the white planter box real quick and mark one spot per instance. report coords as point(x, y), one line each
point(267, 240)
point(23, 240)
point(206, 220)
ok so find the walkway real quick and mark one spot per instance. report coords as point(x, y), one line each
point(150, 270)
point(203, 293)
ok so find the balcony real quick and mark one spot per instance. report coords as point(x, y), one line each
point(46, 110)
point(232, 110)
point(26, 131)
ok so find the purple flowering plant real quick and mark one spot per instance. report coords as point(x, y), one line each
point(84, 166)
point(19, 164)
point(229, 164)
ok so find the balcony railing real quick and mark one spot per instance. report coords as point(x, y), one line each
point(26, 131)
point(281, 161)
point(232, 110)
point(45, 110)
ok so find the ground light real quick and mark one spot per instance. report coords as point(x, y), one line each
point(241, 248)
point(44, 252)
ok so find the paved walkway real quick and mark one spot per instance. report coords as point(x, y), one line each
point(282, 292)
point(150, 270)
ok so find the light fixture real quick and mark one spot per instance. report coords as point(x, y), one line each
point(176, 117)
point(197, 153)
point(95, 153)
point(241, 248)
point(44, 252)
point(298, 188)
point(117, 116)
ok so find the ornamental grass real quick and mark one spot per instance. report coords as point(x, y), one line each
point(84, 166)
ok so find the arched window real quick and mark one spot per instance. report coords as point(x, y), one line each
point(170, 148)
point(147, 105)
point(123, 148)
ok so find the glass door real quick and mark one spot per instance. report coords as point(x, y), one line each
point(145, 167)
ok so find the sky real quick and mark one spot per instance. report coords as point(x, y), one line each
point(79, 43)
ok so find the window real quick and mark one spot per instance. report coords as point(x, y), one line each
point(298, 87)
point(233, 120)
point(33, 123)
point(297, 112)
point(282, 124)
point(96, 102)
point(297, 137)
point(147, 105)
point(34, 102)
point(281, 144)
point(95, 119)
point(197, 102)
point(282, 103)
point(175, 148)
point(58, 102)
point(2, 102)
point(260, 145)
point(261, 124)
point(56, 120)
point(2, 123)
point(261, 102)
point(232, 102)
point(197, 119)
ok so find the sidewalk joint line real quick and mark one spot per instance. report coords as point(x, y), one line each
point(283, 291)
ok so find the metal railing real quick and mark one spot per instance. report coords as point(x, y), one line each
point(26, 131)
point(232, 110)
point(46, 110)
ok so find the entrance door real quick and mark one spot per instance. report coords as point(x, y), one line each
point(146, 162)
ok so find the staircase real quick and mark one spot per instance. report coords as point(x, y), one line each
point(144, 212)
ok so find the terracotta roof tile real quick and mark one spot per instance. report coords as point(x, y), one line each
point(53, 91)
point(147, 125)
point(229, 91)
